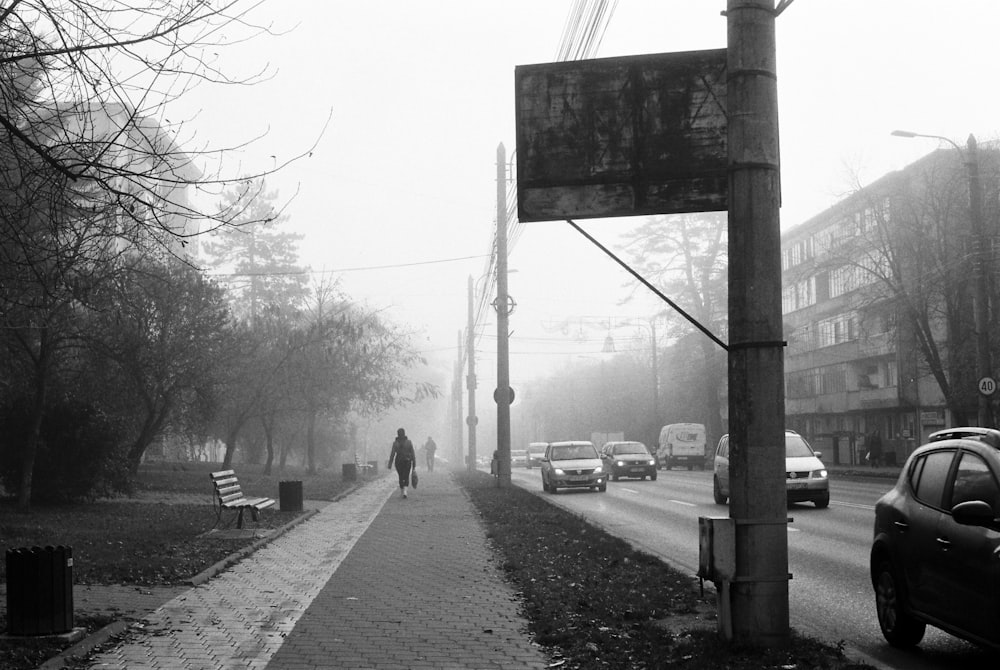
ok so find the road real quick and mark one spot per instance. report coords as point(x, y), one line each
point(830, 595)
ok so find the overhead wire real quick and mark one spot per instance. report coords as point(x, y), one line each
point(583, 32)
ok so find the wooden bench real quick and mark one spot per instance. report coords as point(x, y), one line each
point(229, 495)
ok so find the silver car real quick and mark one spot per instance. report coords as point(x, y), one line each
point(572, 465)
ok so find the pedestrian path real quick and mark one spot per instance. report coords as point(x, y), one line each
point(371, 581)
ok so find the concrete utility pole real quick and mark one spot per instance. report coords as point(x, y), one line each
point(982, 314)
point(758, 594)
point(503, 392)
point(470, 381)
point(456, 432)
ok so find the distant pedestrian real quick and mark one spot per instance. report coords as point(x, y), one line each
point(405, 459)
point(429, 448)
point(874, 449)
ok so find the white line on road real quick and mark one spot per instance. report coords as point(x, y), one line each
point(854, 505)
point(629, 490)
point(682, 502)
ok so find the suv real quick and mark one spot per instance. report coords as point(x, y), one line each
point(628, 459)
point(936, 541)
point(572, 465)
point(806, 478)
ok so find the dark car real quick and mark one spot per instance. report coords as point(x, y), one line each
point(935, 557)
point(628, 459)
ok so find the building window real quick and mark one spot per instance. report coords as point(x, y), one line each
point(833, 379)
point(841, 328)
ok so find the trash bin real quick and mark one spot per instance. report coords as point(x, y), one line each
point(290, 496)
point(350, 472)
point(39, 590)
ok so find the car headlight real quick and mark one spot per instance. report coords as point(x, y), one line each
point(650, 462)
point(620, 464)
point(598, 469)
point(818, 474)
point(558, 471)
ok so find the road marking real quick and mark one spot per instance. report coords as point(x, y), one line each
point(854, 505)
point(629, 490)
point(682, 502)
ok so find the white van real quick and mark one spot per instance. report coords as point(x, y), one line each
point(681, 444)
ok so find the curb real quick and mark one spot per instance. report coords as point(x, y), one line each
point(85, 646)
point(237, 556)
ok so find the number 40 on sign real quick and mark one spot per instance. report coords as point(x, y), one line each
point(987, 386)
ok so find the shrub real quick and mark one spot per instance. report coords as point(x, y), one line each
point(80, 453)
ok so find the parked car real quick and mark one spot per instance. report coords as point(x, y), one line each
point(518, 458)
point(572, 465)
point(681, 444)
point(628, 459)
point(806, 478)
point(937, 539)
point(536, 452)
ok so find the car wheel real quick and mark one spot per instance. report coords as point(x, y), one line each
point(823, 502)
point(898, 627)
point(720, 499)
point(652, 477)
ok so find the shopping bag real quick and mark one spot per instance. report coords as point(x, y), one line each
point(414, 479)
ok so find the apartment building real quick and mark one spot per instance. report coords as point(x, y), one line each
point(857, 357)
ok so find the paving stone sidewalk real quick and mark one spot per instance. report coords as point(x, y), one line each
point(372, 581)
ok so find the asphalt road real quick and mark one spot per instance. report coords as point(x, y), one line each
point(830, 595)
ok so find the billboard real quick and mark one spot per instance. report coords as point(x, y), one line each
point(625, 136)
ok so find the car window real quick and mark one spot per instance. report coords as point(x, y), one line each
point(687, 436)
point(929, 476)
point(974, 481)
point(630, 449)
point(796, 447)
point(569, 452)
point(724, 447)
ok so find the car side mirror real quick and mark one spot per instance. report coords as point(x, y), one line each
point(974, 513)
point(818, 454)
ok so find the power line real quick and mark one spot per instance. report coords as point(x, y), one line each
point(354, 269)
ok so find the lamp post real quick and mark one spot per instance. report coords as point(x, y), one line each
point(981, 311)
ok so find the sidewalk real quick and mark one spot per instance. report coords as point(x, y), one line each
point(371, 581)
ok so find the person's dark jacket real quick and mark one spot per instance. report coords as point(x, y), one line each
point(402, 449)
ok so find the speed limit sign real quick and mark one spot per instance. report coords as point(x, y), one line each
point(987, 386)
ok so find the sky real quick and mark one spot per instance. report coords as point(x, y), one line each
point(398, 196)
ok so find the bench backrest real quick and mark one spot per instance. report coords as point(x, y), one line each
point(227, 487)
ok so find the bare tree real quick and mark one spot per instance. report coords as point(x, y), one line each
point(686, 258)
point(91, 84)
point(905, 249)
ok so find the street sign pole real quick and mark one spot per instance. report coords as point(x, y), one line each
point(758, 593)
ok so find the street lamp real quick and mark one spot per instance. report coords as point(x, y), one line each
point(981, 313)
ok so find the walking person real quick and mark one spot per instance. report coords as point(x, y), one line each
point(403, 456)
point(874, 449)
point(429, 448)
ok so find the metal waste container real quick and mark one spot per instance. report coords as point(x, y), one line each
point(350, 472)
point(290, 496)
point(39, 590)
